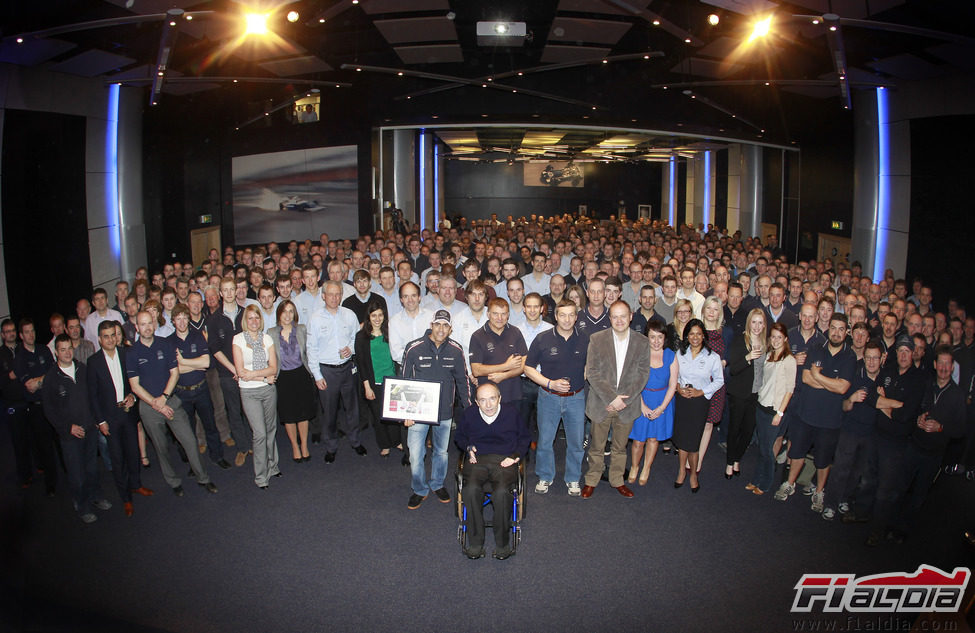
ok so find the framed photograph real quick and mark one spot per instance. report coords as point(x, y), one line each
point(417, 400)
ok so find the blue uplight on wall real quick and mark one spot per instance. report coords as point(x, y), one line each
point(706, 211)
point(423, 180)
point(436, 188)
point(882, 220)
point(672, 191)
point(113, 209)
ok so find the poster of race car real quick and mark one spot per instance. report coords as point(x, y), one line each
point(554, 174)
point(297, 194)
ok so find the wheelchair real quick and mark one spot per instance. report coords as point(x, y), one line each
point(517, 505)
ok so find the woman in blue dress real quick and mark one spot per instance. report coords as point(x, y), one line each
point(657, 421)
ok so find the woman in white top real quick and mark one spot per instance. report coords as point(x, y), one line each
point(699, 376)
point(778, 382)
point(257, 367)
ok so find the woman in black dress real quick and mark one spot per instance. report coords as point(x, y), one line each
point(375, 363)
point(297, 395)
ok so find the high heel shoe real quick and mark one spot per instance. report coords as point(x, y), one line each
point(678, 484)
point(696, 489)
point(632, 478)
point(644, 476)
point(737, 473)
point(728, 475)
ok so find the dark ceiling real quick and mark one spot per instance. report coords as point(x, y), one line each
point(665, 66)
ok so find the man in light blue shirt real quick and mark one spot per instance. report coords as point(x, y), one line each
point(331, 338)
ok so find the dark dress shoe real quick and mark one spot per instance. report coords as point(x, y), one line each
point(316, 438)
point(278, 474)
point(405, 461)
point(360, 450)
point(298, 460)
point(329, 458)
point(145, 492)
point(223, 463)
point(623, 490)
point(503, 553)
point(210, 487)
point(127, 506)
point(474, 553)
point(587, 492)
point(178, 491)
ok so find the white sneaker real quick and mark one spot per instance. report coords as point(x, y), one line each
point(574, 489)
point(817, 501)
point(782, 457)
point(829, 514)
point(542, 486)
point(844, 508)
point(785, 491)
point(808, 489)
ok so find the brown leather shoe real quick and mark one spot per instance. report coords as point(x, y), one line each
point(240, 459)
point(587, 491)
point(623, 490)
point(145, 492)
point(129, 511)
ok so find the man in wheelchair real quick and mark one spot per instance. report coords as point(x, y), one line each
point(493, 437)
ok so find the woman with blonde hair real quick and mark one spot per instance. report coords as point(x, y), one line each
point(683, 313)
point(712, 315)
point(257, 368)
point(745, 359)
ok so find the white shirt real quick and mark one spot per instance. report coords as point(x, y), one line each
point(69, 370)
point(696, 299)
point(620, 348)
point(455, 308)
point(533, 285)
point(308, 303)
point(403, 329)
point(114, 364)
point(530, 332)
point(248, 356)
point(464, 325)
point(327, 334)
point(92, 321)
point(429, 301)
point(393, 305)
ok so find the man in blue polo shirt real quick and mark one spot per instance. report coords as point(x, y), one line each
point(192, 360)
point(557, 362)
point(152, 372)
point(826, 377)
point(595, 318)
point(497, 353)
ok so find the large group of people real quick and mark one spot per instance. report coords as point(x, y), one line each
point(634, 338)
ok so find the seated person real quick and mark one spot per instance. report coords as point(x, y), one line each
point(493, 437)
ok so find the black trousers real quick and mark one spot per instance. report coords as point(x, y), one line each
point(81, 460)
point(370, 411)
point(340, 394)
point(45, 443)
point(123, 448)
point(16, 421)
point(488, 469)
point(741, 425)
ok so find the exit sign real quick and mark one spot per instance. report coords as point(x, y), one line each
point(836, 225)
point(208, 218)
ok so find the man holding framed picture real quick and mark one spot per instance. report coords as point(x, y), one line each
point(437, 358)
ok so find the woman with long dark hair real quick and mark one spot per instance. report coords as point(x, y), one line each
point(778, 383)
point(699, 376)
point(375, 363)
point(297, 395)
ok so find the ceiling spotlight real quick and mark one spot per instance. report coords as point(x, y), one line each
point(521, 74)
point(761, 28)
point(235, 81)
point(646, 57)
point(816, 21)
point(160, 73)
point(451, 15)
point(656, 22)
point(355, 1)
point(605, 61)
point(832, 28)
point(358, 70)
point(293, 16)
point(713, 19)
point(500, 28)
point(687, 40)
point(256, 23)
point(189, 17)
point(514, 91)
point(399, 74)
point(768, 83)
point(321, 20)
point(172, 23)
point(155, 103)
point(594, 107)
point(483, 85)
point(490, 79)
point(20, 40)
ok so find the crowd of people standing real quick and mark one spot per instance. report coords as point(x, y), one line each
point(632, 338)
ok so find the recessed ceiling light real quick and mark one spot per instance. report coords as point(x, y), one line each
point(190, 17)
point(656, 22)
point(399, 74)
point(646, 57)
point(20, 40)
point(815, 21)
point(687, 40)
point(293, 16)
point(714, 19)
point(832, 28)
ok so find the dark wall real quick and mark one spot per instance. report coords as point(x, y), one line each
point(720, 188)
point(45, 218)
point(942, 223)
point(475, 190)
point(826, 181)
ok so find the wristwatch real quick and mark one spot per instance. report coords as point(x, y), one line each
point(167, 395)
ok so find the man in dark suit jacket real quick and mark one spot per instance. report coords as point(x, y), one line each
point(614, 394)
point(113, 406)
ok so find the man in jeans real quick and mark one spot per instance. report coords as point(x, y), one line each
point(434, 357)
point(557, 362)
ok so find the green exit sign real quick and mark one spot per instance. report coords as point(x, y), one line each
point(836, 225)
point(208, 218)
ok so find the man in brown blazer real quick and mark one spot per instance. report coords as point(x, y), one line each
point(617, 367)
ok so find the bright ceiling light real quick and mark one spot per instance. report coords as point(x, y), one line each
point(501, 28)
point(713, 19)
point(761, 28)
point(293, 16)
point(256, 23)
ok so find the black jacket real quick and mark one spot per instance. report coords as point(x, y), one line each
point(66, 401)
